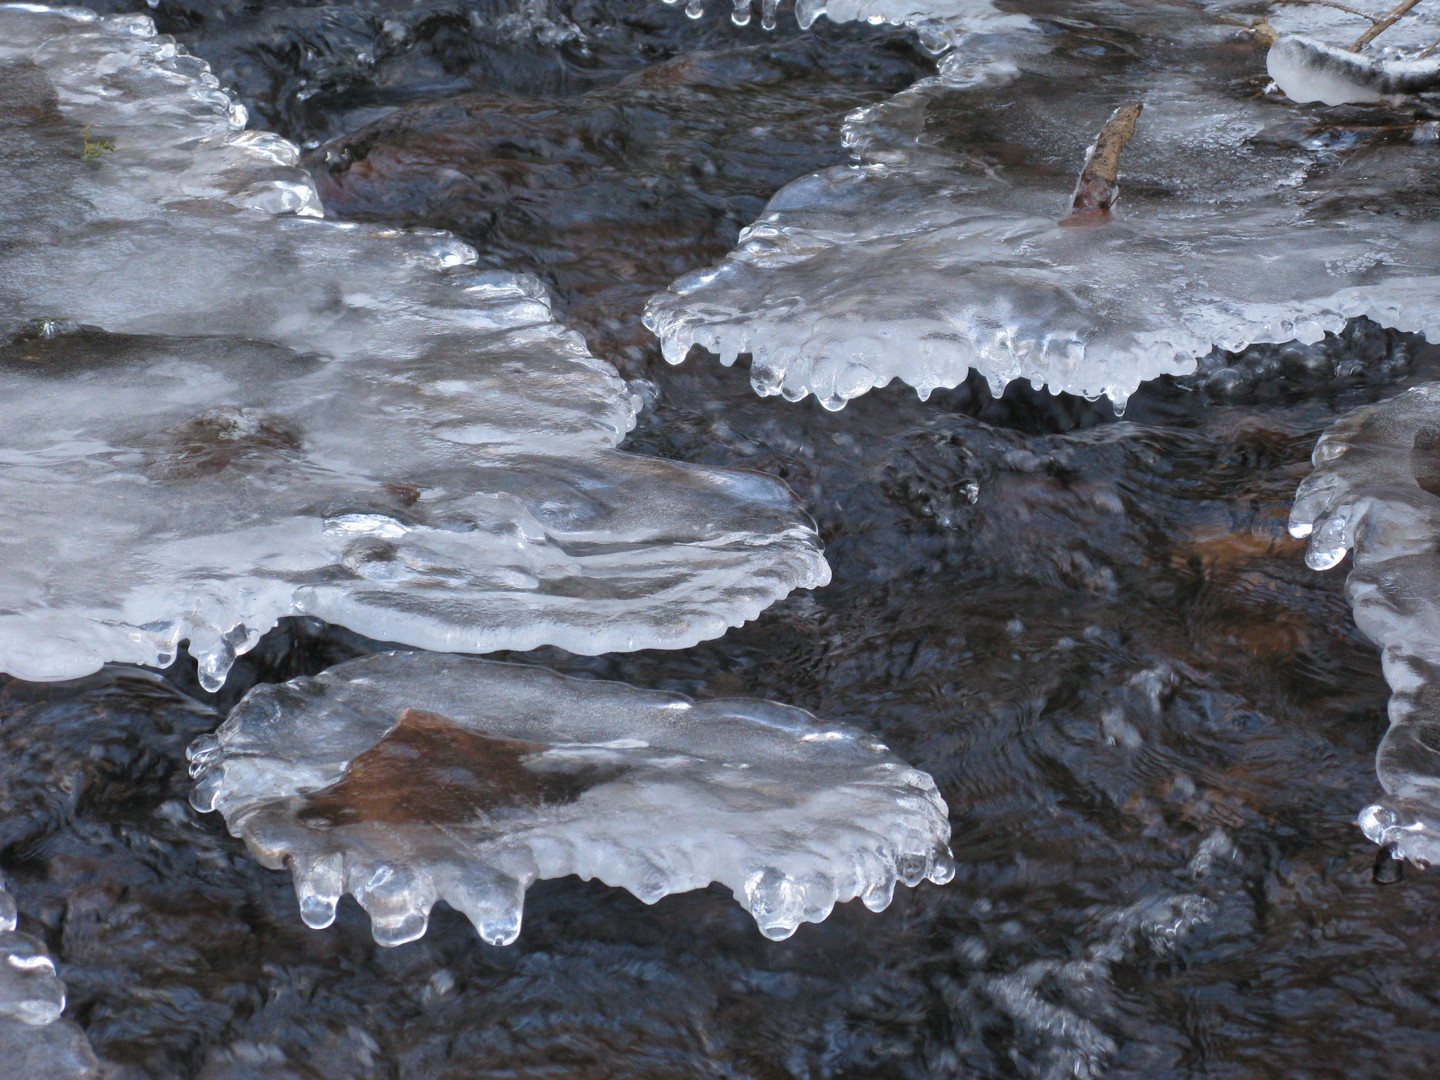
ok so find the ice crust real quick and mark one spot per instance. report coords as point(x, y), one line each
point(648, 791)
point(35, 1043)
point(220, 410)
point(1376, 491)
point(942, 251)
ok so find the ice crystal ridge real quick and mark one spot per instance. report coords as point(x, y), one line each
point(35, 1042)
point(1376, 490)
point(924, 262)
point(403, 778)
point(221, 411)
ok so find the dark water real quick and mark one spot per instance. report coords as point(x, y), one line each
point(1152, 723)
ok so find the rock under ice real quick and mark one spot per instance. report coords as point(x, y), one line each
point(403, 778)
point(944, 250)
point(35, 1043)
point(1376, 490)
point(220, 409)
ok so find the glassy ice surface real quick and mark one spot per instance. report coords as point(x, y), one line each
point(403, 778)
point(220, 411)
point(35, 1044)
point(1376, 491)
point(1240, 221)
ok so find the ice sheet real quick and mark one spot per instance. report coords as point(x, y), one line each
point(403, 778)
point(1241, 219)
point(220, 410)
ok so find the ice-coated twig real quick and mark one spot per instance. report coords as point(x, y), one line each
point(1097, 189)
point(403, 778)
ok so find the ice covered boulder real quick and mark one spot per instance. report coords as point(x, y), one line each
point(944, 251)
point(404, 778)
point(1376, 491)
point(35, 1043)
point(221, 410)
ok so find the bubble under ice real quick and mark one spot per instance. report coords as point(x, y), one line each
point(220, 410)
point(403, 778)
point(1376, 490)
point(35, 1043)
point(943, 251)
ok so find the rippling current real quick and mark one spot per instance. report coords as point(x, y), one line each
point(1152, 724)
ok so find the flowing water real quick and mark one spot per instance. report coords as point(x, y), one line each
point(1153, 725)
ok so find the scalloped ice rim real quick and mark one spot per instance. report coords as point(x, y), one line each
point(1404, 304)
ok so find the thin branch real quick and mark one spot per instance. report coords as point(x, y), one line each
point(1340, 7)
point(1396, 14)
point(1428, 49)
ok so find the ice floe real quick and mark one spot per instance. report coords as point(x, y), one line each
point(1239, 222)
point(1376, 491)
point(221, 409)
point(403, 778)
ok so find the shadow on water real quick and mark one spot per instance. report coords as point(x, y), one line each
point(1152, 724)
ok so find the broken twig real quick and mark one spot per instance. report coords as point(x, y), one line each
point(1097, 190)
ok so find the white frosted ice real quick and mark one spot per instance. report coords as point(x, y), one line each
point(1312, 58)
point(404, 778)
point(35, 1043)
point(220, 410)
point(1310, 70)
point(1376, 490)
point(943, 252)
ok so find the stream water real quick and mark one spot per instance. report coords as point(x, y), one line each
point(1152, 724)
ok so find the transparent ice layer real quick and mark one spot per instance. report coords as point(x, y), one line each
point(220, 410)
point(1241, 220)
point(1376, 490)
point(403, 778)
point(35, 1044)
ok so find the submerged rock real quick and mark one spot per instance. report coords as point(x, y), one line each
point(1376, 490)
point(943, 252)
point(222, 411)
point(406, 778)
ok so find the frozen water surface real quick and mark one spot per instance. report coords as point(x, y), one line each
point(220, 410)
point(1242, 219)
point(35, 1044)
point(1376, 490)
point(404, 778)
